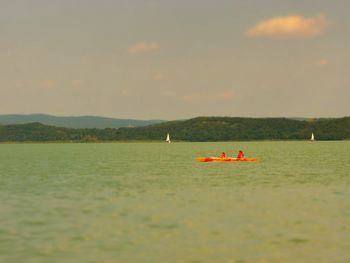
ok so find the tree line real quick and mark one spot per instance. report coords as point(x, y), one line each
point(197, 129)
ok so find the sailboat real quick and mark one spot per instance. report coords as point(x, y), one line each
point(312, 137)
point(168, 138)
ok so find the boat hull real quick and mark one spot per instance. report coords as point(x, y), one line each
point(227, 159)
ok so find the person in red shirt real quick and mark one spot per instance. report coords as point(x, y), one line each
point(222, 155)
point(240, 154)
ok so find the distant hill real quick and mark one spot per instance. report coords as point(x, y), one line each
point(74, 122)
point(197, 129)
point(237, 129)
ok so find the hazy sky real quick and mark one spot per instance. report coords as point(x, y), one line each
point(166, 59)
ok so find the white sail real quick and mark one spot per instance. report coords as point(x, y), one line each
point(312, 137)
point(167, 138)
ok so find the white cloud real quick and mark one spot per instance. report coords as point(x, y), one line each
point(125, 92)
point(48, 83)
point(226, 95)
point(322, 62)
point(289, 27)
point(192, 97)
point(158, 76)
point(143, 47)
point(77, 83)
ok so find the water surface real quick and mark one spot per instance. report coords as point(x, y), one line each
point(152, 202)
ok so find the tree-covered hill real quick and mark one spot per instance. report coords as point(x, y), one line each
point(228, 128)
point(197, 129)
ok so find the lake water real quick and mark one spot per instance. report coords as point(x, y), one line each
point(152, 202)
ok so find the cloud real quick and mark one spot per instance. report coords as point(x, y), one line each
point(125, 92)
point(48, 83)
point(143, 47)
point(158, 76)
point(226, 95)
point(322, 62)
point(77, 83)
point(289, 27)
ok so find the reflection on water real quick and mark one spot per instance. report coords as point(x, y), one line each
point(151, 202)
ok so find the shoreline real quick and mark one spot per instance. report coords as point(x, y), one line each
point(157, 141)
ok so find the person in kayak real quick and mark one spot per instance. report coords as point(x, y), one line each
point(240, 155)
point(222, 155)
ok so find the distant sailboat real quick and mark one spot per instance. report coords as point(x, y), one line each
point(168, 138)
point(312, 137)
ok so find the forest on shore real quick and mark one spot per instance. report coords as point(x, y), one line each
point(200, 129)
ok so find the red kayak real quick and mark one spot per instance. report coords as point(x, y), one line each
point(225, 159)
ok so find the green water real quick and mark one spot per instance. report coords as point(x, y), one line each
point(152, 202)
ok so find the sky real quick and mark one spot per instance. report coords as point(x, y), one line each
point(165, 59)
